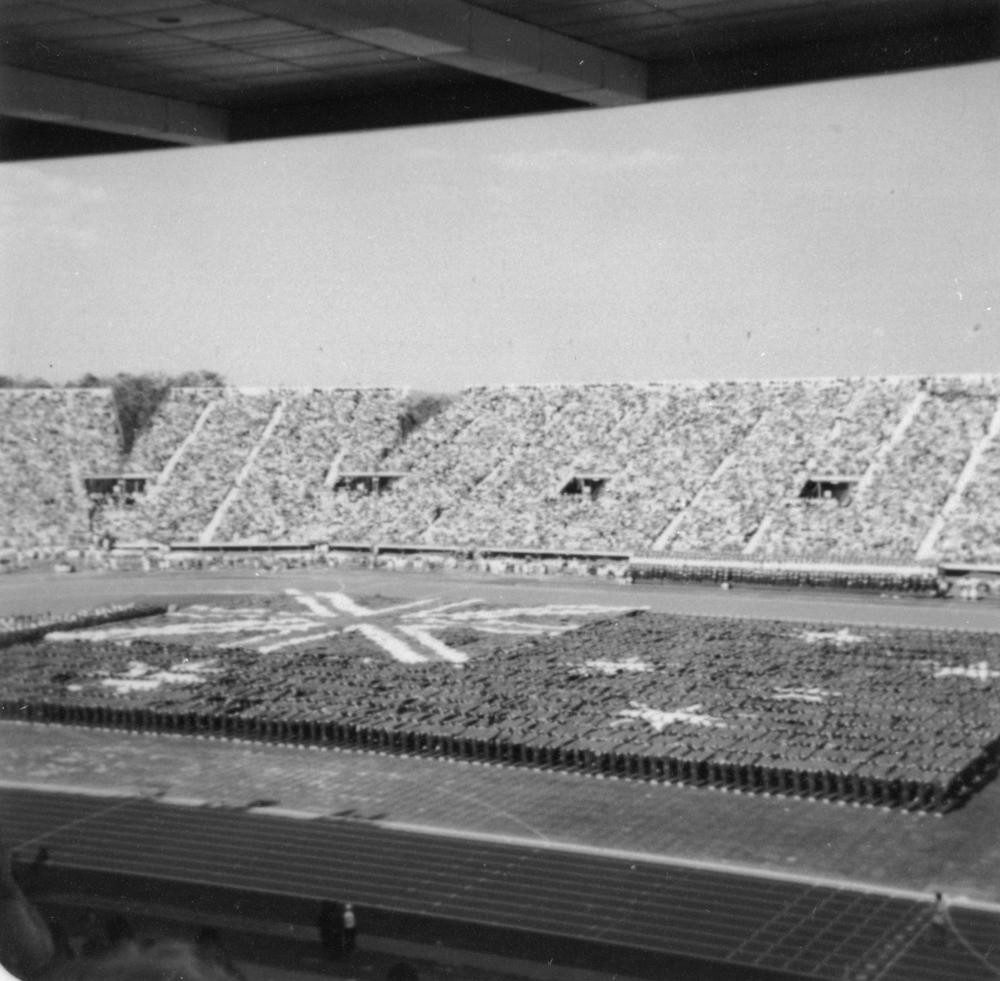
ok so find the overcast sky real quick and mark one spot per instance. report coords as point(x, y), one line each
point(850, 227)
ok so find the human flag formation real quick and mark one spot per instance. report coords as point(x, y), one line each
point(404, 631)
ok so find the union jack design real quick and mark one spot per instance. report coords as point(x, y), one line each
point(404, 631)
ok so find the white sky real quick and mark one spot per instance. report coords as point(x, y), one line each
point(850, 227)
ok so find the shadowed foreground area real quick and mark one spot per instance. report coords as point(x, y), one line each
point(649, 920)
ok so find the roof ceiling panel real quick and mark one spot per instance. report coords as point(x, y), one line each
point(311, 46)
point(178, 59)
point(230, 90)
point(26, 14)
point(602, 11)
point(336, 61)
point(179, 18)
point(398, 68)
point(725, 10)
point(240, 31)
point(204, 57)
point(82, 29)
point(281, 75)
point(523, 9)
point(365, 81)
point(113, 8)
point(248, 70)
point(556, 16)
point(725, 6)
point(138, 44)
point(173, 85)
point(764, 30)
point(634, 24)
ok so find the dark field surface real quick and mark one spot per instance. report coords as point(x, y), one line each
point(781, 840)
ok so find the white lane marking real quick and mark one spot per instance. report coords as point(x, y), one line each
point(294, 641)
point(245, 641)
point(393, 646)
point(344, 603)
point(310, 602)
point(449, 606)
point(442, 650)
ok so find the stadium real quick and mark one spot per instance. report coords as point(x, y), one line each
point(407, 637)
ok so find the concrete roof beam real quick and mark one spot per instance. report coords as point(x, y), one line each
point(26, 94)
point(455, 33)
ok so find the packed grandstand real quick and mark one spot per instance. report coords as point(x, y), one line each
point(876, 468)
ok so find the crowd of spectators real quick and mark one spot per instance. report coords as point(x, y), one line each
point(895, 506)
point(205, 473)
point(494, 467)
point(176, 418)
point(849, 449)
point(320, 434)
point(787, 420)
point(49, 439)
point(683, 467)
point(920, 472)
point(972, 531)
point(175, 421)
point(443, 459)
point(647, 448)
point(180, 507)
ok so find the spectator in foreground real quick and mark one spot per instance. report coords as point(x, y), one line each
point(940, 922)
point(164, 960)
point(402, 972)
point(350, 929)
point(338, 927)
point(211, 950)
point(330, 924)
point(26, 945)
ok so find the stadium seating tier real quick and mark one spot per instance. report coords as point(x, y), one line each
point(710, 468)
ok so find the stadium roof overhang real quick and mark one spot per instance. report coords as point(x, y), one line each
point(99, 75)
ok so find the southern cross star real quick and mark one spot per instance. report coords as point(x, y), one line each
point(980, 671)
point(659, 719)
point(841, 637)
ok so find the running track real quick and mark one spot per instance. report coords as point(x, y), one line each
point(635, 917)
